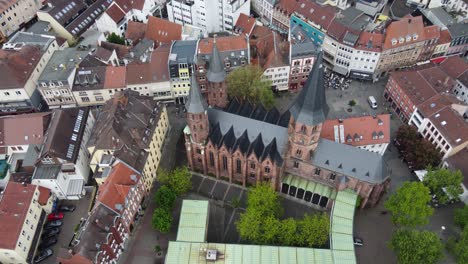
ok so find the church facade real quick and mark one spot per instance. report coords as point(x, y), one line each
point(246, 144)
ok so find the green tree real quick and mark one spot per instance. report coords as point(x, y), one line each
point(409, 205)
point(179, 180)
point(416, 247)
point(461, 216)
point(314, 230)
point(162, 220)
point(288, 235)
point(165, 197)
point(246, 84)
point(352, 103)
point(114, 38)
point(461, 247)
point(436, 179)
point(260, 223)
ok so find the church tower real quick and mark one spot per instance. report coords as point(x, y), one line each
point(197, 129)
point(308, 112)
point(216, 80)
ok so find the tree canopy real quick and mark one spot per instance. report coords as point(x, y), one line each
point(416, 247)
point(314, 230)
point(261, 222)
point(162, 220)
point(461, 216)
point(178, 180)
point(246, 84)
point(165, 197)
point(409, 205)
point(114, 38)
point(461, 247)
point(436, 179)
point(417, 151)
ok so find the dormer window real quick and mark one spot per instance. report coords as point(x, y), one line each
point(415, 36)
point(401, 40)
point(408, 38)
point(394, 41)
point(303, 129)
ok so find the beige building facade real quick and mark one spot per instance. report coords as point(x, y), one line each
point(14, 14)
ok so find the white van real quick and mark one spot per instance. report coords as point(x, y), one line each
point(372, 102)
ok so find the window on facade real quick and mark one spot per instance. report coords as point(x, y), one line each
point(296, 164)
point(298, 152)
point(267, 169)
point(198, 151)
point(211, 159)
point(252, 165)
point(317, 171)
point(225, 163)
point(85, 99)
point(238, 166)
point(303, 129)
point(252, 176)
point(333, 176)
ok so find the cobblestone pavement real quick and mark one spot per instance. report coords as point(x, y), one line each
point(70, 221)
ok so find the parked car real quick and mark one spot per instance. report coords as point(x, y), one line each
point(50, 232)
point(55, 216)
point(358, 241)
point(67, 208)
point(43, 255)
point(48, 242)
point(52, 224)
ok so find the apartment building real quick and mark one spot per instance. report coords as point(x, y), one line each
point(371, 8)
point(314, 19)
point(23, 212)
point(405, 42)
point(132, 128)
point(264, 8)
point(371, 133)
point(70, 19)
point(56, 81)
point(459, 37)
point(282, 14)
point(181, 61)
point(15, 14)
point(112, 219)
point(63, 162)
point(19, 71)
point(117, 16)
point(123, 191)
point(302, 54)
point(209, 15)
point(457, 68)
point(244, 25)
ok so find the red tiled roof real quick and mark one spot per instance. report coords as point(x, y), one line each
point(156, 70)
point(44, 195)
point(414, 85)
point(128, 5)
point(363, 126)
point(371, 41)
point(162, 31)
point(454, 66)
point(121, 50)
point(438, 79)
point(135, 31)
point(115, 77)
point(116, 13)
point(287, 6)
point(103, 54)
point(14, 207)
point(407, 26)
point(205, 46)
point(17, 65)
point(24, 129)
point(432, 32)
point(245, 24)
point(321, 15)
point(451, 125)
point(444, 37)
point(458, 162)
point(115, 188)
point(436, 103)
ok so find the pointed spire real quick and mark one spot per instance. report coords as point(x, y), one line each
point(310, 106)
point(196, 103)
point(216, 71)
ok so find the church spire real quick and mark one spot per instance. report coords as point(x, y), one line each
point(310, 107)
point(216, 71)
point(196, 103)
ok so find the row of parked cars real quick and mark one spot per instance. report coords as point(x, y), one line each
point(49, 236)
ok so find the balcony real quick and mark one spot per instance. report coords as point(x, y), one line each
point(37, 237)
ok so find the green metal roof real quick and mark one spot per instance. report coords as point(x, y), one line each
point(193, 221)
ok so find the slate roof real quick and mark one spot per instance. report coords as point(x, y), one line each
point(351, 161)
point(216, 71)
point(17, 66)
point(259, 113)
point(268, 140)
point(196, 103)
point(310, 106)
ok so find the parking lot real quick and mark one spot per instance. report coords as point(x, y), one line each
point(70, 221)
